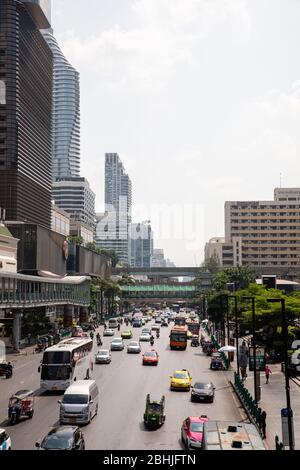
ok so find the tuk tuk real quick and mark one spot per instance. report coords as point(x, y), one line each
point(21, 406)
point(6, 369)
point(154, 415)
point(216, 362)
point(206, 346)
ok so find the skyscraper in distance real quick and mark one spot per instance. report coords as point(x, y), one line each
point(66, 114)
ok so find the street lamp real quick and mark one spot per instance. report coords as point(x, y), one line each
point(286, 373)
point(254, 347)
point(236, 333)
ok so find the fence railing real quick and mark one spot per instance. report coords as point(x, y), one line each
point(248, 401)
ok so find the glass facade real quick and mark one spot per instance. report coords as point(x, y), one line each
point(66, 114)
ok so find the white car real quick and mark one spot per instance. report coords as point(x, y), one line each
point(146, 330)
point(103, 356)
point(117, 344)
point(109, 332)
point(134, 347)
point(145, 337)
point(5, 441)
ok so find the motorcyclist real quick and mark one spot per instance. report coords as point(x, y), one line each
point(9, 367)
point(92, 335)
point(152, 340)
point(119, 326)
point(157, 334)
point(99, 340)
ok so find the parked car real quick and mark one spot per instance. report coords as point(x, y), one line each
point(63, 438)
point(103, 357)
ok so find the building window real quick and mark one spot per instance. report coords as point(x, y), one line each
point(2, 92)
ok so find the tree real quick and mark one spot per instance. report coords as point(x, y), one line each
point(213, 264)
point(241, 276)
point(112, 254)
point(76, 240)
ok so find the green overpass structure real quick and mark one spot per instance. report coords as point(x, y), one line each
point(159, 292)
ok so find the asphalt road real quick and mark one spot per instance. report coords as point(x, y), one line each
point(123, 386)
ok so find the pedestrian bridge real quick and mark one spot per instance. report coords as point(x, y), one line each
point(18, 291)
point(163, 272)
point(159, 291)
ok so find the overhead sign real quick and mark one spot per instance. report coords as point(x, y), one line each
point(260, 359)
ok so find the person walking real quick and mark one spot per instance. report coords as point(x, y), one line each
point(263, 424)
point(267, 373)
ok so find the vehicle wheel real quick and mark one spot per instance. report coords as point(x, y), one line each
point(8, 376)
point(192, 399)
point(30, 415)
point(210, 366)
point(90, 419)
point(182, 439)
point(96, 412)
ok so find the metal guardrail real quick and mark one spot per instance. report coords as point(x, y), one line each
point(246, 398)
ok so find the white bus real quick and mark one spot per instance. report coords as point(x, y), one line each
point(66, 362)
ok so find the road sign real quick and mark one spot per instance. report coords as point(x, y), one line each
point(285, 413)
point(260, 359)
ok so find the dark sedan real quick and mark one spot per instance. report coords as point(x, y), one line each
point(203, 391)
point(63, 438)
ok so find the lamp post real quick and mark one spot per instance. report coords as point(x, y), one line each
point(254, 347)
point(236, 333)
point(286, 373)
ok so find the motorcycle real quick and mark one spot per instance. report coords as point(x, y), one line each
point(152, 342)
point(99, 342)
point(157, 335)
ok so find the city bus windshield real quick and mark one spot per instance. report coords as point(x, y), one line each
point(55, 373)
point(57, 357)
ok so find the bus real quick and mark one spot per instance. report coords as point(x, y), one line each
point(227, 435)
point(178, 337)
point(66, 362)
point(112, 323)
point(180, 319)
point(193, 326)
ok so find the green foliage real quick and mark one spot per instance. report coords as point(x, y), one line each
point(241, 276)
point(75, 240)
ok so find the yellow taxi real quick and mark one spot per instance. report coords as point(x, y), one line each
point(181, 380)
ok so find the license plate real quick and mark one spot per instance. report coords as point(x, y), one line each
point(54, 388)
point(72, 420)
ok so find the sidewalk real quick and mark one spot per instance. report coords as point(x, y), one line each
point(273, 399)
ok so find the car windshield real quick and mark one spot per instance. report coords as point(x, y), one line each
point(102, 353)
point(150, 354)
point(197, 427)
point(203, 386)
point(75, 399)
point(136, 344)
point(180, 375)
point(154, 408)
point(57, 442)
point(117, 340)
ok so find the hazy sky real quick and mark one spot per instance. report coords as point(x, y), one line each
point(200, 98)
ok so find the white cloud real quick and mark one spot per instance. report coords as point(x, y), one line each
point(163, 34)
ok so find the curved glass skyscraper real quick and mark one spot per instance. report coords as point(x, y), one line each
point(66, 114)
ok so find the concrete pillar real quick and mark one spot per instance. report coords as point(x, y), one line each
point(84, 314)
point(77, 313)
point(17, 330)
point(68, 315)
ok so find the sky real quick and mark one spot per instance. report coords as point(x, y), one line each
point(200, 98)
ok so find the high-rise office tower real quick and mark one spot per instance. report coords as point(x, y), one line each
point(66, 114)
point(112, 229)
point(25, 112)
point(141, 243)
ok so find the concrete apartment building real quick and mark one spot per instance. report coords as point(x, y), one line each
point(228, 254)
point(270, 232)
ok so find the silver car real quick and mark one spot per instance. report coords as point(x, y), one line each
point(117, 344)
point(103, 357)
point(134, 347)
point(109, 332)
point(145, 337)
